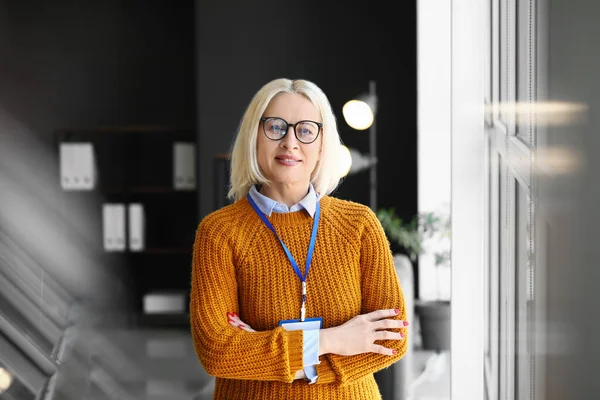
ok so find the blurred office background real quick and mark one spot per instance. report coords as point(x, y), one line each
point(116, 119)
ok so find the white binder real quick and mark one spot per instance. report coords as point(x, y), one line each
point(77, 166)
point(184, 166)
point(119, 218)
point(67, 166)
point(113, 226)
point(136, 227)
point(85, 170)
point(108, 229)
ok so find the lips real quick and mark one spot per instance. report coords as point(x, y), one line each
point(288, 160)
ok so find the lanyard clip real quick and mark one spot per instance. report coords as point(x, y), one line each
point(303, 308)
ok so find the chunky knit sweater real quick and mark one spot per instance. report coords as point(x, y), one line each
point(240, 266)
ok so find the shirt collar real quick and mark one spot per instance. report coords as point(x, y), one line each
point(268, 205)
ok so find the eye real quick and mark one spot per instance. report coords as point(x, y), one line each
point(307, 129)
point(276, 128)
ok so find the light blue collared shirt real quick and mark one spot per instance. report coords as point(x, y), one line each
point(310, 345)
point(268, 205)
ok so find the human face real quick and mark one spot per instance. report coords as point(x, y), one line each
point(289, 162)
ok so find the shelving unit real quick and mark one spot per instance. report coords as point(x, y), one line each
point(221, 179)
point(134, 164)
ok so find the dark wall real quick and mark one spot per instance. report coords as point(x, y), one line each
point(72, 63)
point(338, 46)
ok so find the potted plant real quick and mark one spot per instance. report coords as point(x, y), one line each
point(415, 238)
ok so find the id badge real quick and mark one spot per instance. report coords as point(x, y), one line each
point(296, 324)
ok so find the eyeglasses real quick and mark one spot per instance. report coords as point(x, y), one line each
point(306, 131)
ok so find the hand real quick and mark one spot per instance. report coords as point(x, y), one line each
point(358, 335)
point(236, 322)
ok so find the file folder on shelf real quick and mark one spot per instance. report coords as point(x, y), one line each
point(113, 224)
point(184, 166)
point(77, 166)
point(136, 227)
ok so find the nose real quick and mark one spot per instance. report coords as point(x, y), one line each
point(290, 141)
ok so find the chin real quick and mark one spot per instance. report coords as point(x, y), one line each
point(289, 180)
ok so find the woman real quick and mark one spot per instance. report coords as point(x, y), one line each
point(287, 259)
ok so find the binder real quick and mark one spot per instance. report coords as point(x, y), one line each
point(77, 166)
point(136, 227)
point(67, 166)
point(85, 166)
point(184, 166)
point(108, 230)
point(119, 223)
point(113, 226)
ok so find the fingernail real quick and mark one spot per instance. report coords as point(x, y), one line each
point(402, 335)
point(405, 323)
point(397, 311)
point(394, 352)
point(229, 314)
point(235, 314)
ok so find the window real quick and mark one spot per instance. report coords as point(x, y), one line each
point(509, 279)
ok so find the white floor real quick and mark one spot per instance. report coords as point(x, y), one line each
point(432, 376)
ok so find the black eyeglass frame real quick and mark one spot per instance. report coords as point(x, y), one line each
point(319, 125)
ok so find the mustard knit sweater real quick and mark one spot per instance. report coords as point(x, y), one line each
point(239, 266)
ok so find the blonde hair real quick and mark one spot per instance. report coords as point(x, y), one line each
point(245, 170)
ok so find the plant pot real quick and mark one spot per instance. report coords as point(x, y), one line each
point(434, 319)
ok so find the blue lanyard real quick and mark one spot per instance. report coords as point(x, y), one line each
point(311, 248)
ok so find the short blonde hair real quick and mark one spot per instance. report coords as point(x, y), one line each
point(245, 170)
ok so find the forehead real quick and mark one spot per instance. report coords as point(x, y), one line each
point(292, 107)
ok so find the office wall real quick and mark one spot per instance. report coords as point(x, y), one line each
point(434, 134)
point(68, 63)
point(467, 122)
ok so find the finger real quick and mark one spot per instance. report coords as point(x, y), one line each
point(231, 315)
point(380, 314)
point(387, 335)
point(378, 349)
point(246, 328)
point(389, 324)
point(232, 319)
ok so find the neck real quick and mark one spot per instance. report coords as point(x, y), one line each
point(288, 194)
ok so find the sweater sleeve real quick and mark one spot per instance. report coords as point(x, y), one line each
point(224, 351)
point(380, 289)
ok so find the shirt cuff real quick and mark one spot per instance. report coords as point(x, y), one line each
point(311, 374)
point(311, 354)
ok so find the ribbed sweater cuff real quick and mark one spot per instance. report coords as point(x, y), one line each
point(295, 348)
point(325, 371)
